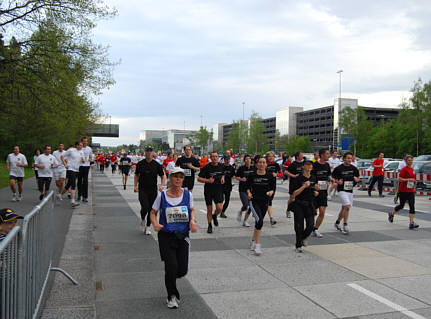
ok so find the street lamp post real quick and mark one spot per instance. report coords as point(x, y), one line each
point(335, 141)
point(339, 73)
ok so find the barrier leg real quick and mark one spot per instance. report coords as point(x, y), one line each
point(65, 274)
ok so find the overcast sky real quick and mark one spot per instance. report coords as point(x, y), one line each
point(184, 59)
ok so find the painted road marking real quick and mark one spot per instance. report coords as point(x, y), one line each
point(386, 302)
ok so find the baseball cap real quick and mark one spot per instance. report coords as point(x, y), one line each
point(7, 215)
point(176, 169)
point(148, 148)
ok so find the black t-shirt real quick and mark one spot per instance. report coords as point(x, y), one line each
point(308, 193)
point(189, 173)
point(259, 185)
point(244, 171)
point(229, 172)
point(215, 171)
point(346, 173)
point(273, 168)
point(148, 173)
point(294, 168)
point(124, 162)
point(322, 173)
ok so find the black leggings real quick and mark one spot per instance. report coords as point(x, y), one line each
point(379, 180)
point(83, 181)
point(146, 199)
point(226, 195)
point(302, 212)
point(71, 179)
point(175, 253)
point(406, 197)
point(258, 208)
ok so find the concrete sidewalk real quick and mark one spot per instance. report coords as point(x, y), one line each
point(117, 266)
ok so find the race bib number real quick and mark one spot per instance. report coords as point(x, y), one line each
point(323, 185)
point(348, 185)
point(187, 172)
point(178, 214)
point(410, 184)
point(125, 163)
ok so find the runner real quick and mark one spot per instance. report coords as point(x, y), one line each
point(260, 188)
point(126, 164)
point(345, 175)
point(305, 190)
point(71, 160)
point(102, 160)
point(177, 219)
point(213, 177)
point(37, 152)
point(135, 160)
point(242, 174)
point(190, 165)
point(172, 164)
point(293, 171)
point(402, 164)
point(59, 172)
point(145, 184)
point(203, 161)
point(45, 163)
point(322, 172)
point(113, 162)
point(378, 175)
point(166, 161)
point(273, 168)
point(15, 164)
point(315, 157)
point(406, 192)
point(229, 172)
point(334, 162)
point(84, 168)
point(286, 162)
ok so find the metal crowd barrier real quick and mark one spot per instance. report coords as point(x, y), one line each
point(26, 256)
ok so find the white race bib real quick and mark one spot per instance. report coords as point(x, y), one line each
point(348, 185)
point(187, 172)
point(125, 163)
point(177, 214)
point(410, 184)
point(323, 185)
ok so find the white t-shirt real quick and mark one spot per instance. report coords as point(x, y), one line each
point(47, 161)
point(34, 161)
point(57, 154)
point(333, 163)
point(73, 158)
point(88, 156)
point(13, 159)
point(172, 201)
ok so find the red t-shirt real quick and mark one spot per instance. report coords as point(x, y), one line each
point(378, 171)
point(406, 172)
point(113, 159)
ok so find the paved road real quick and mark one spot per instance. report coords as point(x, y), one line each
point(375, 272)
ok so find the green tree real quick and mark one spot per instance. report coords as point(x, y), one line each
point(234, 138)
point(257, 142)
point(201, 138)
point(295, 143)
point(280, 142)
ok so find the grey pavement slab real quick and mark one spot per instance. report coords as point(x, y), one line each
point(418, 287)
point(69, 313)
point(344, 301)
point(277, 303)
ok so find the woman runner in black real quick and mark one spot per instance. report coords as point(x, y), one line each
point(260, 187)
point(304, 191)
point(273, 168)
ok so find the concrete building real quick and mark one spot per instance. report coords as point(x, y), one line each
point(285, 119)
point(218, 132)
point(176, 139)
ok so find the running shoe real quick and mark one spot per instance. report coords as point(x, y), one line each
point(390, 217)
point(288, 214)
point(85, 200)
point(316, 233)
point(172, 303)
point(252, 245)
point(147, 230)
point(74, 205)
point(41, 197)
point(329, 197)
point(337, 226)
point(245, 223)
point(273, 221)
point(19, 198)
point(14, 198)
point(258, 250)
point(215, 220)
point(413, 225)
point(346, 229)
point(210, 229)
point(223, 215)
point(239, 216)
point(299, 250)
point(143, 227)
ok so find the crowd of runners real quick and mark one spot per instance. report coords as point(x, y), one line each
point(312, 181)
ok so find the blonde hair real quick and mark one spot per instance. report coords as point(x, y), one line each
point(269, 153)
